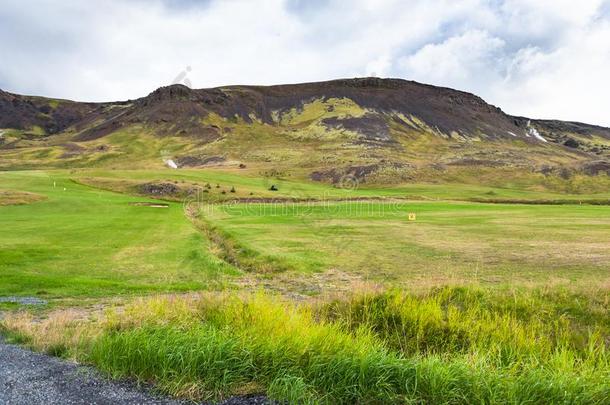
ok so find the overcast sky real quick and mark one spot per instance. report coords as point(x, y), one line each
point(539, 58)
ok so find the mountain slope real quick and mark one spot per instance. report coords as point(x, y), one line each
point(378, 130)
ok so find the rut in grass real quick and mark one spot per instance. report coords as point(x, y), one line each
point(229, 250)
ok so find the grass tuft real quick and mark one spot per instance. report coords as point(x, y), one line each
point(449, 345)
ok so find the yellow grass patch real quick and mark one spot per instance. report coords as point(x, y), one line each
point(15, 197)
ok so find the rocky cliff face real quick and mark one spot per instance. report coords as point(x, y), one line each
point(449, 112)
point(53, 116)
point(387, 116)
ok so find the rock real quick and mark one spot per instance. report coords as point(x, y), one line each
point(159, 189)
point(194, 161)
point(596, 167)
point(572, 143)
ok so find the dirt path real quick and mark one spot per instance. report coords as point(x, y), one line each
point(30, 378)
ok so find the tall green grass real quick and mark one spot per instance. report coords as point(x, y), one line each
point(448, 346)
point(520, 325)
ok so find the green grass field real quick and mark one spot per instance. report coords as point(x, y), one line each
point(81, 241)
point(323, 295)
point(447, 242)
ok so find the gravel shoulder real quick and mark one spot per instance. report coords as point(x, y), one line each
point(31, 378)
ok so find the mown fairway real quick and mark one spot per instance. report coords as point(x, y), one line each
point(84, 241)
point(448, 242)
point(73, 239)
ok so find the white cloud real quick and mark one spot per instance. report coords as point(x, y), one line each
point(545, 58)
point(560, 71)
point(467, 58)
point(570, 81)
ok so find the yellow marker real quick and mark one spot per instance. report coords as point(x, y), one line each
point(411, 216)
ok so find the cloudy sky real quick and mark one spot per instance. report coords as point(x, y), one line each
point(539, 58)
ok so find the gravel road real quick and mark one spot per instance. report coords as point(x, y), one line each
point(28, 378)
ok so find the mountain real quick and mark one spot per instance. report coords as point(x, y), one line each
point(378, 130)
